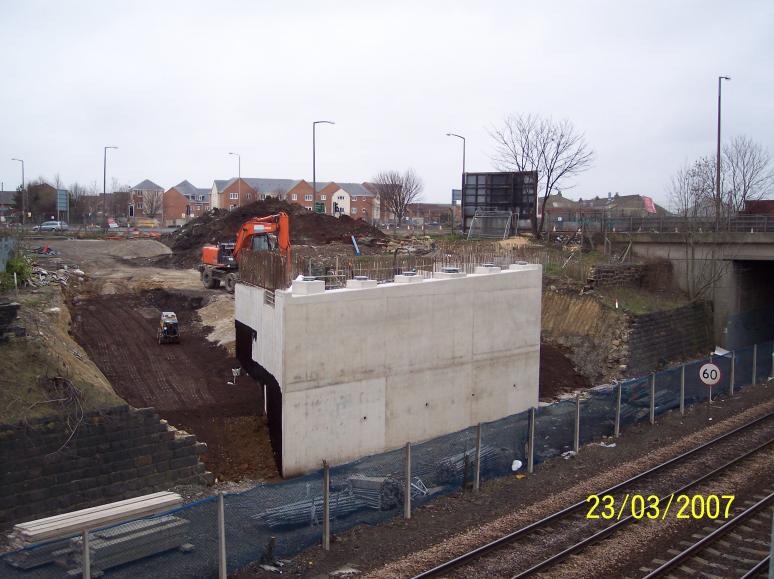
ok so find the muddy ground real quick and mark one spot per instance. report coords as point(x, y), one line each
point(115, 316)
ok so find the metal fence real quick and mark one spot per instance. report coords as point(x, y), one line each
point(224, 533)
point(666, 224)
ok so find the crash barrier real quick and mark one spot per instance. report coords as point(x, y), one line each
point(275, 521)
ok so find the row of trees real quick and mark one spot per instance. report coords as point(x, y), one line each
point(745, 175)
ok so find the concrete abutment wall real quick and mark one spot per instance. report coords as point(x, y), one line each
point(362, 371)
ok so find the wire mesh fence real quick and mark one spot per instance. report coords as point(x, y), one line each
point(277, 520)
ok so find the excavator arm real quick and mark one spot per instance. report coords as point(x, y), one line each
point(278, 225)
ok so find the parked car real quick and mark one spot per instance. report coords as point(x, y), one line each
point(51, 226)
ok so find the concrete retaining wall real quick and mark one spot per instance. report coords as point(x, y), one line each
point(113, 455)
point(367, 370)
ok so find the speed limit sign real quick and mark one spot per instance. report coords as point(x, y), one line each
point(709, 373)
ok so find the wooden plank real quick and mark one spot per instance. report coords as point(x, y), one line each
point(95, 517)
point(125, 502)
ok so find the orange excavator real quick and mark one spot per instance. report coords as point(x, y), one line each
point(220, 263)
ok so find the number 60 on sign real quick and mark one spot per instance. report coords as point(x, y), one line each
point(709, 374)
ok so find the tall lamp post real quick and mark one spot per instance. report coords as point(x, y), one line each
point(239, 175)
point(314, 165)
point(463, 176)
point(104, 187)
point(23, 192)
point(717, 164)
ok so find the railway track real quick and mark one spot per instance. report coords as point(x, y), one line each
point(738, 547)
point(539, 546)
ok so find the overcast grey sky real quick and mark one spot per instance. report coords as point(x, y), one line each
point(176, 85)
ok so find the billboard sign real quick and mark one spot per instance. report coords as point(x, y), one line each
point(62, 200)
point(456, 195)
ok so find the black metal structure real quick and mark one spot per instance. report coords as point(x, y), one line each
point(509, 192)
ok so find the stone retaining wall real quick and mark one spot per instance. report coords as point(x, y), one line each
point(113, 455)
point(659, 337)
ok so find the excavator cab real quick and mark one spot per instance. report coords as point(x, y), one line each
point(266, 242)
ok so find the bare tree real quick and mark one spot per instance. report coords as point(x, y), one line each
point(747, 174)
point(152, 203)
point(552, 148)
point(397, 191)
point(280, 193)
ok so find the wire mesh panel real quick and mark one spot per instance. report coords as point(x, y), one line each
point(291, 512)
point(635, 400)
point(554, 429)
point(743, 361)
point(597, 413)
point(763, 366)
point(723, 387)
point(667, 395)
point(695, 390)
point(508, 437)
point(445, 463)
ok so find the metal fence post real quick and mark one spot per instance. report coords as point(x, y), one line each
point(617, 427)
point(326, 507)
point(222, 570)
point(86, 557)
point(755, 364)
point(576, 437)
point(682, 390)
point(407, 491)
point(733, 373)
point(531, 442)
point(653, 398)
point(477, 478)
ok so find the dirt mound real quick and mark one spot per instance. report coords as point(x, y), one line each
point(306, 228)
point(557, 373)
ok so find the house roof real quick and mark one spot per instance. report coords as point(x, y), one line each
point(221, 184)
point(270, 185)
point(6, 197)
point(147, 185)
point(355, 189)
point(193, 193)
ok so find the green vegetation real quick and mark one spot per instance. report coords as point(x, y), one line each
point(640, 301)
point(19, 265)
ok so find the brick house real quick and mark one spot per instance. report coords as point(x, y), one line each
point(146, 198)
point(184, 202)
point(238, 192)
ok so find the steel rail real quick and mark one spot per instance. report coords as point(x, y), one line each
point(759, 568)
point(713, 536)
point(479, 551)
point(608, 530)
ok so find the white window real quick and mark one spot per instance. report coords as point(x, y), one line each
point(365, 211)
point(323, 197)
point(232, 207)
point(295, 197)
point(354, 211)
point(201, 197)
point(307, 206)
point(139, 205)
point(340, 197)
point(248, 196)
point(233, 195)
point(307, 197)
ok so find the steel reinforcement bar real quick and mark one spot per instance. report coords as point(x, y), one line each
point(524, 531)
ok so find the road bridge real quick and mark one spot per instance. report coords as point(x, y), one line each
point(734, 269)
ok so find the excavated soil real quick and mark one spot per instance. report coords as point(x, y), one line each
point(558, 374)
point(187, 383)
point(306, 227)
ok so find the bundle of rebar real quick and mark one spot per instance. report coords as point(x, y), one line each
point(381, 493)
point(310, 511)
point(452, 468)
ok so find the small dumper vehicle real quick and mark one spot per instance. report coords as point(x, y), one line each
point(168, 331)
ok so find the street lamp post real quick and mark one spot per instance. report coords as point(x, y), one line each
point(23, 192)
point(463, 175)
point(239, 175)
point(717, 164)
point(314, 166)
point(104, 187)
